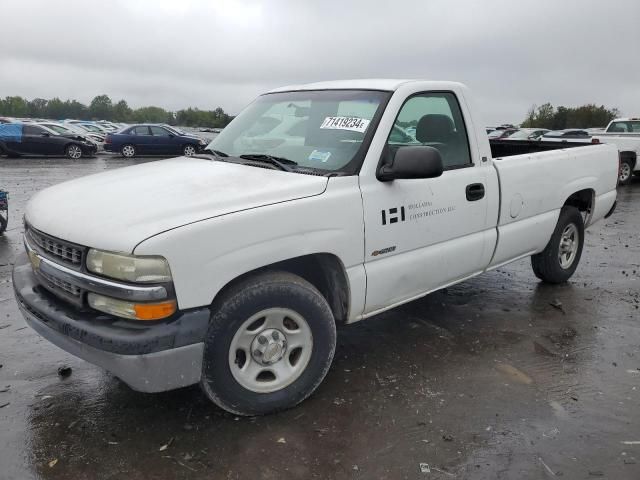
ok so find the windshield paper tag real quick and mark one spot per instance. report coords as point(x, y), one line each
point(354, 124)
point(319, 156)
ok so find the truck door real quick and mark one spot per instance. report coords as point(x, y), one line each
point(423, 234)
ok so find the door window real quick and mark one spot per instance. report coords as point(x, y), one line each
point(433, 119)
point(159, 132)
point(140, 131)
point(32, 130)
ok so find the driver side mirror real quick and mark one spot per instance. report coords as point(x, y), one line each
point(411, 162)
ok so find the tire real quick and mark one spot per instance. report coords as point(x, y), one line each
point(189, 150)
point(553, 265)
point(626, 171)
point(73, 151)
point(3, 223)
point(242, 330)
point(128, 151)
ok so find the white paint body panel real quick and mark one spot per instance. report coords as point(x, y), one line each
point(215, 221)
point(116, 210)
point(629, 142)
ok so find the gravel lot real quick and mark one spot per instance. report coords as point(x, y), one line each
point(498, 377)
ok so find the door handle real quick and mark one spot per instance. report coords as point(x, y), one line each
point(475, 192)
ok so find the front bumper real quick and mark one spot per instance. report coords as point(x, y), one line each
point(151, 357)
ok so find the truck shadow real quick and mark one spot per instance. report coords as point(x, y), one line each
point(402, 377)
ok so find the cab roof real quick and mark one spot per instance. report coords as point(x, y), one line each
point(387, 84)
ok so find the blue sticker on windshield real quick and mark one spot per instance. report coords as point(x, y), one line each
point(320, 156)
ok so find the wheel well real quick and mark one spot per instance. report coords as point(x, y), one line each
point(584, 201)
point(324, 271)
point(631, 156)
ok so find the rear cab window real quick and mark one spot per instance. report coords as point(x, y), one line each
point(433, 119)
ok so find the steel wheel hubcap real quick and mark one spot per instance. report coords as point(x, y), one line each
point(569, 242)
point(270, 350)
point(128, 151)
point(625, 171)
point(188, 151)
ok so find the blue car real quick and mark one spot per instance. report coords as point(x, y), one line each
point(152, 139)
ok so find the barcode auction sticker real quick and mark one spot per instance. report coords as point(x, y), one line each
point(346, 123)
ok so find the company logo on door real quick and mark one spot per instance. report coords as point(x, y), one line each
point(416, 210)
point(393, 215)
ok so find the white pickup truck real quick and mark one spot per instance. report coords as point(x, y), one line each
point(624, 133)
point(232, 268)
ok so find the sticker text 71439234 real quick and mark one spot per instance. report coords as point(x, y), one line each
point(346, 123)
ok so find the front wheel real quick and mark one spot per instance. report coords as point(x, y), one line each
point(189, 150)
point(3, 223)
point(73, 152)
point(626, 172)
point(560, 258)
point(270, 344)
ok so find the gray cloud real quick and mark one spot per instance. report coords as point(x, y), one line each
point(178, 53)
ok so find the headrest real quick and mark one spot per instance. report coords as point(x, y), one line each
point(434, 127)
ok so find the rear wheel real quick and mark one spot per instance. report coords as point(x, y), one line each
point(270, 344)
point(128, 151)
point(626, 171)
point(3, 223)
point(189, 150)
point(560, 258)
point(73, 151)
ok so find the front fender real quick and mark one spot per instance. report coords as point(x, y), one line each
point(205, 256)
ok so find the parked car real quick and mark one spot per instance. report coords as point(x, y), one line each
point(98, 137)
point(568, 135)
point(233, 269)
point(89, 126)
point(31, 139)
point(152, 139)
point(624, 133)
point(526, 134)
point(501, 133)
point(69, 130)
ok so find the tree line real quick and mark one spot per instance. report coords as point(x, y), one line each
point(586, 116)
point(103, 108)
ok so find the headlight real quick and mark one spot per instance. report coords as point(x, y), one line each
point(130, 268)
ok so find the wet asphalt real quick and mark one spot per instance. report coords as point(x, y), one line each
point(500, 377)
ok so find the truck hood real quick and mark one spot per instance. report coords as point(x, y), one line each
point(118, 209)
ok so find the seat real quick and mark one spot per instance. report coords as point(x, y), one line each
point(439, 132)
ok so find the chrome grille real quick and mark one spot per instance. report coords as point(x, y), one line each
point(62, 285)
point(58, 249)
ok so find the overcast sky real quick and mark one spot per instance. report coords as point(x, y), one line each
point(209, 53)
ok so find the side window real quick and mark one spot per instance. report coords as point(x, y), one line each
point(435, 120)
point(140, 131)
point(159, 132)
point(32, 130)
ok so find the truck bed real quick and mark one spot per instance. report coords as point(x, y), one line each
point(507, 148)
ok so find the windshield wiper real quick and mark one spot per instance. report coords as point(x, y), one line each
point(217, 154)
point(280, 162)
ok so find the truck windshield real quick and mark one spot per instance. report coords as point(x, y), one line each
point(319, 129)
